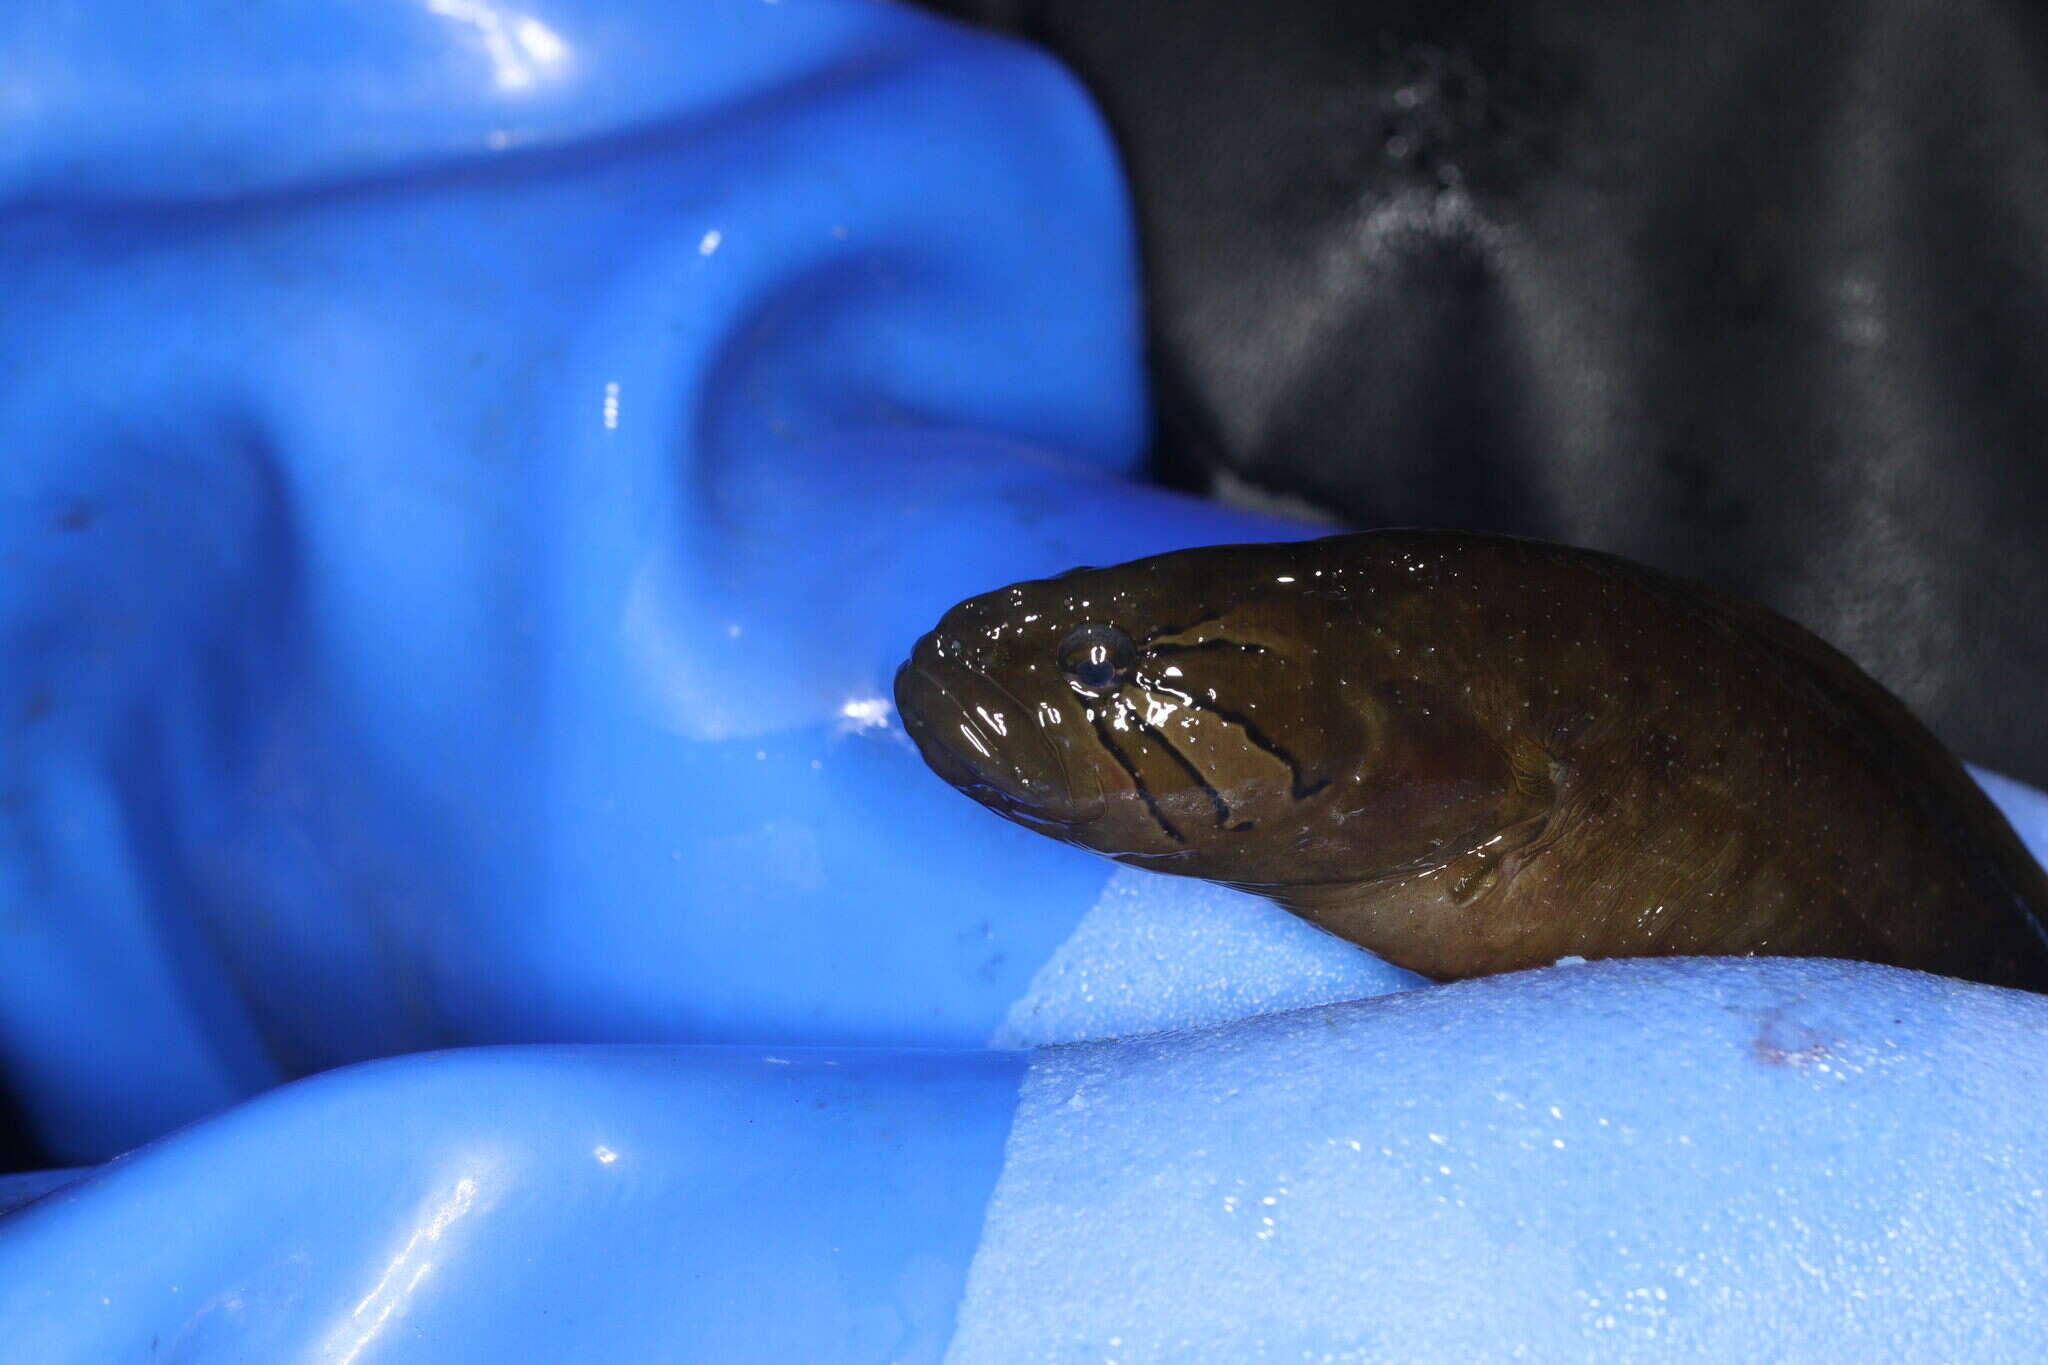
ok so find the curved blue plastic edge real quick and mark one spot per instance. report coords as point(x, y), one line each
point(25, 1187)
point(214, 100)
point(534, 1204)
point(2025, 807)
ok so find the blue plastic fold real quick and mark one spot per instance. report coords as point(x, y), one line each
point(454, 579)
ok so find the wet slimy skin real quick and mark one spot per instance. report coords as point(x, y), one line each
point(1473, 754)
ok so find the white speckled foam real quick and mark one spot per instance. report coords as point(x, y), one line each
point(1684, 1159)
point(1161, 952)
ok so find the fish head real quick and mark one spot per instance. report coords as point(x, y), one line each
point(1190, 712)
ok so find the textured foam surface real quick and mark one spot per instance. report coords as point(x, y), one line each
point(1161, 952)
point(1686, 1159)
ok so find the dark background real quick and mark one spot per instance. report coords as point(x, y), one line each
point(1749, 291)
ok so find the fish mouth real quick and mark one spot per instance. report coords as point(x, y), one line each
point(976, 735)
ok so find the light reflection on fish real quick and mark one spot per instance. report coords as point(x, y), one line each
point(1473, 754)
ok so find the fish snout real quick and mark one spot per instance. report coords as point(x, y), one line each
point(984, 741)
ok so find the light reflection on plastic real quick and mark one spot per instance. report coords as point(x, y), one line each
point(402, 1275)
point(863, 713)
point(522, 49)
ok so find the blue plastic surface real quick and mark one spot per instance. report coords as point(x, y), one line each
point(472, 473)
point(460, 529)
point(543, 1204)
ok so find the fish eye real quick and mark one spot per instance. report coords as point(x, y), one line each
point(1097, 658)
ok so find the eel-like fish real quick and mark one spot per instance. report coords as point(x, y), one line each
point(1474, 754)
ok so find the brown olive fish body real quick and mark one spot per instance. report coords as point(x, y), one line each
point(1473, 754)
